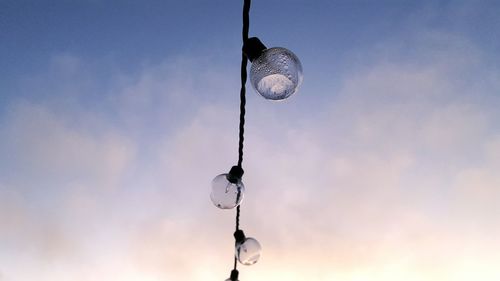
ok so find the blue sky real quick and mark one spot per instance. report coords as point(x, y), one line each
point(383, 167)
point(128, 33)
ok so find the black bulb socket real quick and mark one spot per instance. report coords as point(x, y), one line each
point(239, 236)
point(235, 174)
point(234, 275)
point(253, 47)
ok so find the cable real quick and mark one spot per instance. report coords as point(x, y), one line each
point(244, 61)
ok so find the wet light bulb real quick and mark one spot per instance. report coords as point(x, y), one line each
point(248, 252)
point(276, 73)
point(227, 190)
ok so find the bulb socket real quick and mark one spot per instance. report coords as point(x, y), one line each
point(239, 236)
point(235, 174)
point(234, 275)
point(252, 48)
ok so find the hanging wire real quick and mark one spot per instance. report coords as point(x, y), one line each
point(244, 61)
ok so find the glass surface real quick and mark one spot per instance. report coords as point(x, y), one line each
point(248, 252)
point(276, 74)
point(226, 195)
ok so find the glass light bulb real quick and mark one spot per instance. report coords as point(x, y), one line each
point(276, 73)
point(225, 194)
point(248, 252)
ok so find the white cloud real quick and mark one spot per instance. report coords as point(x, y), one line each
point(46, 147)
point(397, 180)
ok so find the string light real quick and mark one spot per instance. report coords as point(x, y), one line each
point(228, 189)
point(276, 74)
point(247, 249)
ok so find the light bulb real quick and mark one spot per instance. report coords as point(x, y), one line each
point(248, 252)
point(276, 73)
point(228, 189)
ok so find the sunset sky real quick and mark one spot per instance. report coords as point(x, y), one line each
point(116, 115)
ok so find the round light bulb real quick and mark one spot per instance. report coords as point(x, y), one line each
point(248, 252)
point(226, 194)
point(276, 73)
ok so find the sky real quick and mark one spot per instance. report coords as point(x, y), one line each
point(116, 115)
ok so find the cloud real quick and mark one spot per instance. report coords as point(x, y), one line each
point(393, 178)
point(54, 176)
point(368, 191)
point(373, 183)
point(44, 146)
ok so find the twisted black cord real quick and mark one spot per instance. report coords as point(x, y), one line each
point(244, 61)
